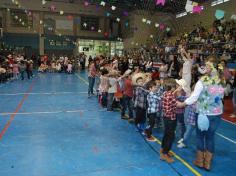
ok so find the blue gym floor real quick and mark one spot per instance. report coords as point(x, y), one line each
point(48, 127)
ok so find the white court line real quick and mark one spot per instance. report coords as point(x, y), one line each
point(229, 121)
point(43, 93)
point(226, 138)
point(49, 112)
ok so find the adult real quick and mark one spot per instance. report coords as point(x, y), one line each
point(187, 66)
point(208, 94)
point(92, 72)
point(234, 96)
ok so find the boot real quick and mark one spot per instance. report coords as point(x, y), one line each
point(208, 159)
point(199, 159)
point(169, 153)
point(166, 157)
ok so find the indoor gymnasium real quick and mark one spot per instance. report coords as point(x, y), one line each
point(117, 87)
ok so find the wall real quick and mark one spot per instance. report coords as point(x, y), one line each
point(142, 32)
point(206, 17)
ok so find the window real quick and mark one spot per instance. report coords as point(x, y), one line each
point(89, 23)
point(20, 19)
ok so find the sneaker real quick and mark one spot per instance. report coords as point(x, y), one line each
point(124, 117)
point(151, 139)
point(169, 153)
point(166, 157)
point(144, 133)
point(131, 120)
point(180, 141)
point(181, 145)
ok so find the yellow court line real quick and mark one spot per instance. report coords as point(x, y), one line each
point(181, 160)
point(159, 142)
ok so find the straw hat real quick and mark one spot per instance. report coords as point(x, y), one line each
point(183, 84)
point(136, 76)
point(127, 72)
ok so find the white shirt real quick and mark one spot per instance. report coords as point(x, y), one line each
point(113, 84)
point(187, 66)
point(195, 94)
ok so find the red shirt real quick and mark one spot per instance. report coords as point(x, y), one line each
point(128, 88)
point(169, 105)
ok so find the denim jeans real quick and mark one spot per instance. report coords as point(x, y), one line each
point(151, 123)
point(127, 103)
point(91, 84)
point(189, 130)
point(234, 100)
point(181, 124)
point(206, 139)
point(22, 73)
point(169, 135)
point(110, 98)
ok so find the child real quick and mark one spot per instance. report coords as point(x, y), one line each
point(169, 110)
point(153, 101)
point(69, 68)
point(191, 115)
point(103, 87)
point(112, 82)
point(181, 96)
point(127, 98)
point(15, 70)
point(140, 101)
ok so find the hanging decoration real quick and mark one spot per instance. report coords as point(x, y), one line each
point(160, 2)
point(219, 14)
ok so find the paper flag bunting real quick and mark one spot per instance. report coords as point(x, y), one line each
point(70, 17)
point(156, 25)
point(151, 36)
point(61, 12)
point(125, 13)
point(99, 30)
point(92, 28)
point(219, 14)
point(233, 17)
point(162, 26)
point(85, 24)
point(189, 8)
point(86, 3)
point(102, 3)
point(108, 14)
point(43, 2)
point(118, 19)
point(160, 2)
point(197, 9)
point(52, 8)
point(148, 22)
point(113, 8)
point(144, 20)
point(126, 24)
point(167, 29)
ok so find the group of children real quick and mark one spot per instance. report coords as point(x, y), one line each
point(149, 103)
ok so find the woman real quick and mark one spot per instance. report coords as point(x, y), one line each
point(92, 72)
point(208, 94)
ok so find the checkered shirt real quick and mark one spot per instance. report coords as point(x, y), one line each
point(169, 105)
point(192, 115)
point(140, 97)
point(153, 100)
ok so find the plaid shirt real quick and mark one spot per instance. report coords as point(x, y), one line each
point(169, 105)
point(140, 97)
point(192, 115)
point(153, 100)
point(180, 99)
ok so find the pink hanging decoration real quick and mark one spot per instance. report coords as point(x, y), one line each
point(86, 3)
point(160, 2)
point(53, 8)
point(162, 26)
point(70, 17)
point(197, 9)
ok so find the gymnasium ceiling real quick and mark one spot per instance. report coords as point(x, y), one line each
point(171, 6)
